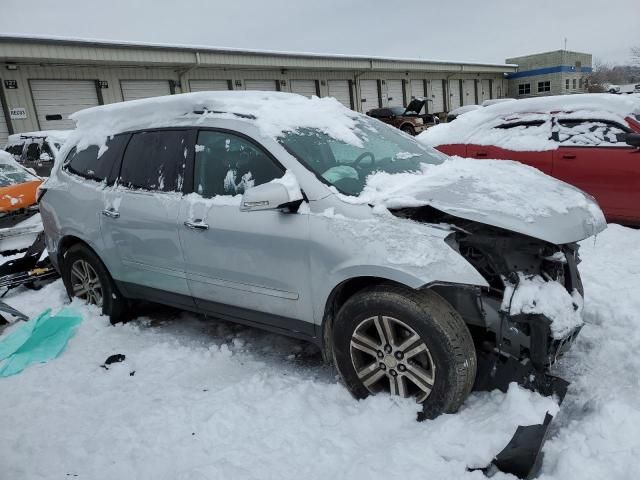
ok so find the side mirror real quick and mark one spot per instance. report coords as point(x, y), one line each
point(45, 157)
point(268, 196)
point(632, 139)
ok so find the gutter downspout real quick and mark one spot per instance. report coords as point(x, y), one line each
point(183, 73)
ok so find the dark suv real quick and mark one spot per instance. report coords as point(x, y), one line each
point(407, 119)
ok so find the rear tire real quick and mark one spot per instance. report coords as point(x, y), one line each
point(85, 277)
point(409, 129)
point(405, 342)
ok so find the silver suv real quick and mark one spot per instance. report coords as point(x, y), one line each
point(302, 217)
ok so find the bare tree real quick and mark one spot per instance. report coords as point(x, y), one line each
point(635, 55)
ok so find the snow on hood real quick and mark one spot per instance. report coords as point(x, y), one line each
point(500, 193)
point(272, 112)
point(478, 127)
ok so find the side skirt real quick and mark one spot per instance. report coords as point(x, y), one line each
point(290, 327)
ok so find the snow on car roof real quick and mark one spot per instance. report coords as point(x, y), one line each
point(272, 112)
point(478, 126)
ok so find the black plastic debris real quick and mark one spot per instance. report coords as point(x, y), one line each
point(116, 358)
point(522, 456)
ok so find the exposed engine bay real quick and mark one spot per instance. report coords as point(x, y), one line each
point(510, 346)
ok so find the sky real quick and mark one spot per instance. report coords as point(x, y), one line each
point(464, 30)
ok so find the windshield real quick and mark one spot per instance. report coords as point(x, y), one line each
point(346, 166)
point(397, 110)
point(11, 175)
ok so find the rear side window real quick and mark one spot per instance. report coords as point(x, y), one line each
point(87, 164)
point(32, 152)
point(156, 160)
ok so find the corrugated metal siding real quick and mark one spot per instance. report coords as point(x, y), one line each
point(468, 92)
point(485, 90)
point(437, 95)
point(454, 94)
point(4, 130)
point(266, 85)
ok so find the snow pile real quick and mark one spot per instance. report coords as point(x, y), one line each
point(479, 126)
point(535, 295)
point(272, 112)
point(208, 399)
point(490, 186)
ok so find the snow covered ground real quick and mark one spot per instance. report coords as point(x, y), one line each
point(211, 400)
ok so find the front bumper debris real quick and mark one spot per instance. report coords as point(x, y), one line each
point(522, 456)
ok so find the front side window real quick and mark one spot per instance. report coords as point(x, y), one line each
point(155, 160)
point(86, 163)
point(544, 86)
point(227, 164)
point(346, 165)
point(524, 89)
point(590, 132)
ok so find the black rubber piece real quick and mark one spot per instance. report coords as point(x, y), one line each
point(113, 303)
point(437, 323)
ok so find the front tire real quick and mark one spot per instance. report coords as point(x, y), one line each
point(407, 343)
point(409, 130)
point(85, 277)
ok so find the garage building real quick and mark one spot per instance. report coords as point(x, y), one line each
point(43, 81)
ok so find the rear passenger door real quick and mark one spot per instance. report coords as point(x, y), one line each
point(248, 265)
point(139, 215)
point(521, 141)
point(594, 157)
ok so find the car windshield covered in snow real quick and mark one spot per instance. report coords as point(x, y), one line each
point(12, 174)
point(346, 166)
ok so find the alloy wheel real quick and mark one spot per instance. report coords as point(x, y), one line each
point(390, 356)
point(86, 283)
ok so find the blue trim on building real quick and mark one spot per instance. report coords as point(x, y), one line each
point(548, 70)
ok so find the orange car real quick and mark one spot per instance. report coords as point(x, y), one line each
point(17, 185)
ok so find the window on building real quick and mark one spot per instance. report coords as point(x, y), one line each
point(580, 84)
point(575, 84)
point(524, 89)
point(567, 84)
point(87, 164)
point(155, 160)
point(226, 164)
point(544, 86)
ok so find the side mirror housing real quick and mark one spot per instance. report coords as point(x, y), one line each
point(632, 139)
point(268, 196)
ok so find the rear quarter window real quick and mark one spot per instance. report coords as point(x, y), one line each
point(87, 164)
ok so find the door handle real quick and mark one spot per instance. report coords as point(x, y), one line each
point(110, 212)
point(481, 154)
point(196, 225)
point(568, 156)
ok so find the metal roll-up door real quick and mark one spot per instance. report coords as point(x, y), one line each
point(136, 89)
point(266, 85)
point(417, 88)
point(485, 90)
point(55, 100)
point(304, 87)
point(468, 92)
point(437, 95)
point(395, 96)
point(339, 89)
point(369, 95)
point(454, 94)
point(208, 85)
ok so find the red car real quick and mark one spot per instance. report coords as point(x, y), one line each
point(590, 141)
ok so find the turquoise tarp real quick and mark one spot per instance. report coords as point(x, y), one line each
point(38, 340)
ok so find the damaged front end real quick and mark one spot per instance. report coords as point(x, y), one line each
point(512, 344)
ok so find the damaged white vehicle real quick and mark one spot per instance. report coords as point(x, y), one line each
point(416, 274)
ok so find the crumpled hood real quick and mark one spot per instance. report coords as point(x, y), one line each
point(500, 193)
